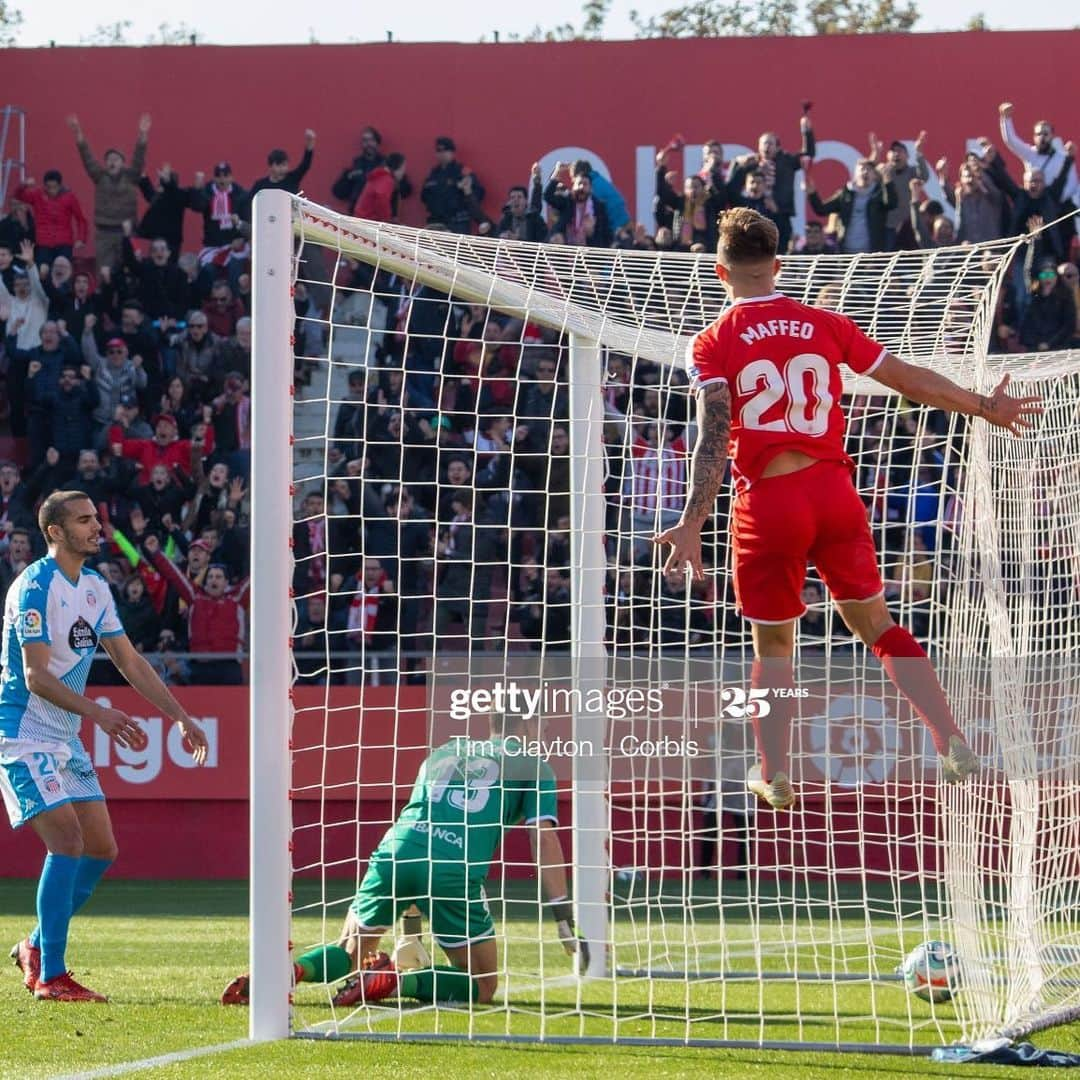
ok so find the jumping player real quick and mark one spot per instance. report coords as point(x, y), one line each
point(437, 856)
point(57, 612)
point(767, 377)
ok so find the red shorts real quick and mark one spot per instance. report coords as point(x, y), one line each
point(781, 523)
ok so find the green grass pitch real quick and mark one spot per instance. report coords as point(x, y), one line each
point(162, 951)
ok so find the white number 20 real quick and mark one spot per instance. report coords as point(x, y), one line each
point(770, 385)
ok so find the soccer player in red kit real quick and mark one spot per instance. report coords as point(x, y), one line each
point(767, 378)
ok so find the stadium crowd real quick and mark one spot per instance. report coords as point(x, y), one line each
point(126, 374)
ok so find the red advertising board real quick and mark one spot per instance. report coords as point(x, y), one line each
point(356, 752)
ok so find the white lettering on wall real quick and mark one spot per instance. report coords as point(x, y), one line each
point(144, 766)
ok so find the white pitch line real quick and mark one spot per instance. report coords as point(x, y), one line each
point(150, 1063)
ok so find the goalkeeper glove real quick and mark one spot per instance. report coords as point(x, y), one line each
point(562, 911)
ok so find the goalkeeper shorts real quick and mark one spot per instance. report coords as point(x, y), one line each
point(781, 523)
point(37, 776)
point(455, 904)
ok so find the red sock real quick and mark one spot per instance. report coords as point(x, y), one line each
point(913, 675)
point(773, 731)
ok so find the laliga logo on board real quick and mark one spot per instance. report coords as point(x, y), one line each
point(144, 766)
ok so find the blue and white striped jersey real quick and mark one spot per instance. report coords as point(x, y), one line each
point(43, 605)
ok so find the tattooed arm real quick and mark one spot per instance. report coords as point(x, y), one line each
point(706, 475)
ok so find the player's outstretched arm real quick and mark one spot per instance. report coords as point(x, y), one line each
point(707, 467)
point(929, 388)
point(551, 862)
point(145, 680)
point(41, 681)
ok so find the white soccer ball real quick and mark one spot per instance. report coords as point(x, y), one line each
point(931, 971)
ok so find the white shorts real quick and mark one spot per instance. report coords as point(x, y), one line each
point(39, 776)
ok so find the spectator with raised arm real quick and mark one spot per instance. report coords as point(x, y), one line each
point(216, 616)
point(26, 308)
point(778, 168)
point(167, 203)
point(977, 201)
point(59, 221)
point(1041, 153)
point(350, 183)
point(165, 448)
point(115, 189)
point(582, 220)
point(862, 206)
point(116, 374)
point(451, 192)
point(226, 211)
point(605, 191)
point(68, 411)
point(279, 177)
point(523, 215)
point(898, 236)
point(691, 215)
point(160, 285)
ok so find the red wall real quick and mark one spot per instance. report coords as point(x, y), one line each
point(509, 105)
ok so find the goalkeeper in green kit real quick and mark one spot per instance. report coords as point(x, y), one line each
point(468, 792)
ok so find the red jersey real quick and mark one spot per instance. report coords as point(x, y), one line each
point(781, 361)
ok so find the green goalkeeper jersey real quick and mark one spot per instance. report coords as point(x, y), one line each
point(467, 793)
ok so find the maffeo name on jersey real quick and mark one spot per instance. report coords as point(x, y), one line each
point(794, 328)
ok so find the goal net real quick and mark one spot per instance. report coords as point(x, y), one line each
point(455, 502)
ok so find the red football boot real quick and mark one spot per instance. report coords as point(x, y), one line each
point(238, 992)
point(28, 961)
point(65, 988)
point(376, 981)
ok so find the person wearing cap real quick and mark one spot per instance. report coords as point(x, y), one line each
point(226, 210)
point(898, 229)
point(128, 419)
point(58, 216)
point(279, 176)
point(1050, 318)
point(165, 448)
point(451, 192)
point(115, 189)
point(116, 373)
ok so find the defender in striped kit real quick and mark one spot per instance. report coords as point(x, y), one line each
point(56, 614)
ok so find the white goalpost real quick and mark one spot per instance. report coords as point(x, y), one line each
point(459, 495)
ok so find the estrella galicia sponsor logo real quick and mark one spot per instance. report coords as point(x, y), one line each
point(82, 636)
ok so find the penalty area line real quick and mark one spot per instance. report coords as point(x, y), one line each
point(123, 1067)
